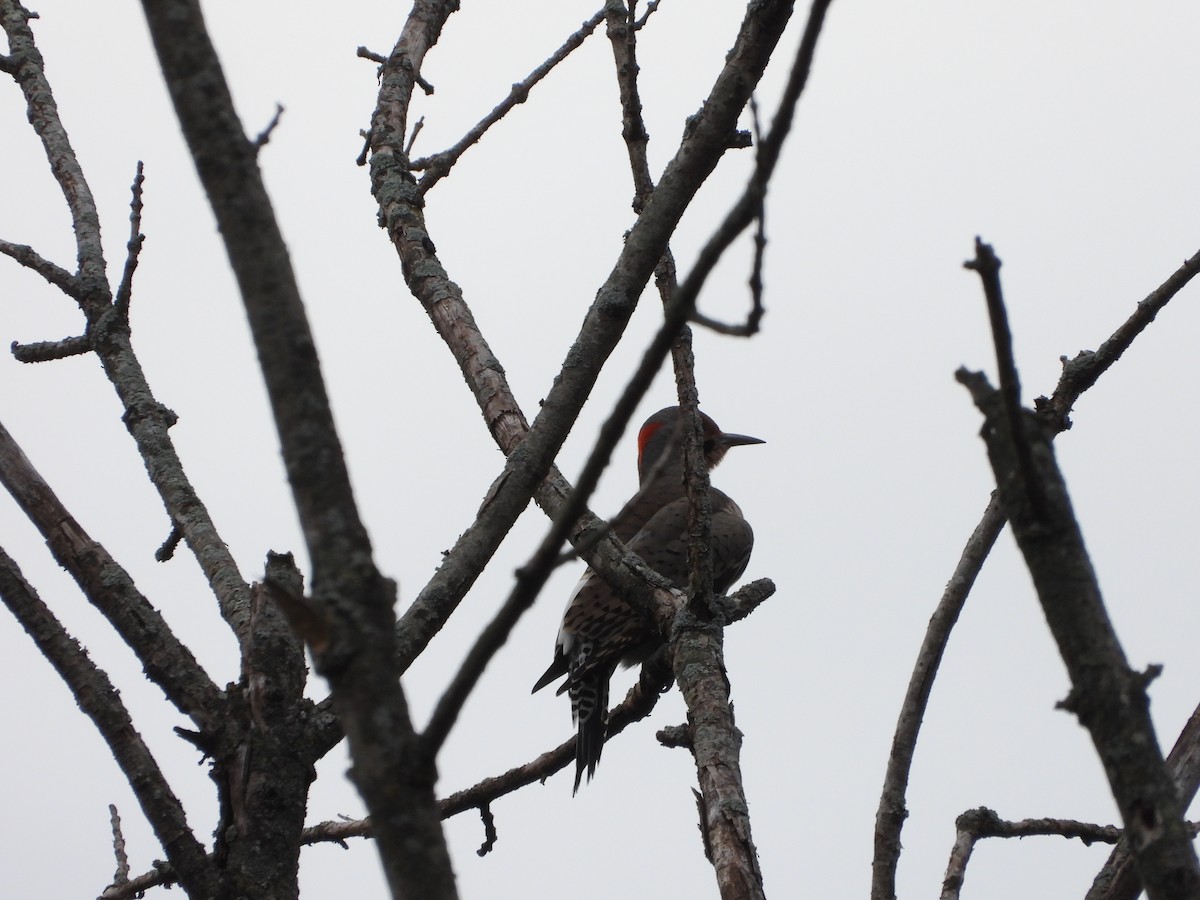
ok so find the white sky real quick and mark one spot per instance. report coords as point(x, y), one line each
point(1064, 133)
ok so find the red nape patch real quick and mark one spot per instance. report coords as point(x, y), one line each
point(648, 431)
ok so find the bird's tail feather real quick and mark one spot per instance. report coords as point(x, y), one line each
point(589, 707)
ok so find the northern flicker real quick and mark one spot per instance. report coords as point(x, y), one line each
point(599, 628)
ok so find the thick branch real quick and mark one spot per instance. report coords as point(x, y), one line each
point(359, 659)
point(1118, 879)
point(1078, 375)
point(1106, 695)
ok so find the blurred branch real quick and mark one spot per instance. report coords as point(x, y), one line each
point(102, 704)
point(1107, 697)
point(390, 772)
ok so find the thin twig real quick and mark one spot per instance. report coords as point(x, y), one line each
point(976, 824)
point(655, 677)
point(1081, 373)
point(413, 137)
point(438, 165)
point(651, 9)
point(760, 243)
point(742, 213)
point(987, 265)
point(121, 876)
point(489, 830)
point(264, 136)
point(42, 110)
point(133, 247)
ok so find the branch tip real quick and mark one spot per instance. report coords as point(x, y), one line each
point(264, 136)
point(489, 830)
point(364, 53)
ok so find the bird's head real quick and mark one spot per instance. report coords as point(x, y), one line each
point(663, 433)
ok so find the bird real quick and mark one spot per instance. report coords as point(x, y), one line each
point(599, 628)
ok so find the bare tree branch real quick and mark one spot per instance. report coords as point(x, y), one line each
point(53, 274)
point(890, 816)
point(28, 68)
point(1081, 373)
point(133, 247)
point(45, 351)
point(1118, 879)
point(655, 678)
point(976, 824)
point(102, 704)
point(1108, 698)
point(987, 265)
point(1078, 375)
point(148, 420)
point(359, 660)
point(108, 587)
point(121, 875)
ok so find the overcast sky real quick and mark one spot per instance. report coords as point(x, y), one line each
point(1062, 132)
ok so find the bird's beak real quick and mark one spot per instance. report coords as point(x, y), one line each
point(737, 440)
